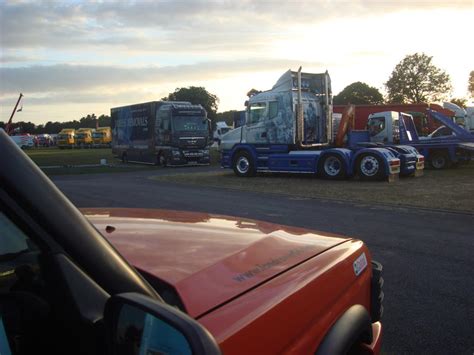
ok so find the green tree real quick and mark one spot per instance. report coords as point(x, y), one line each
point(358, 93)
point(461, 102)
point(470, 86)
point(197, 95)
point(88, 121)
point(416, 80)
point(226, 116)
point(104, 121)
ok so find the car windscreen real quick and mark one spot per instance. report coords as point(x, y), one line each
point(189, 123)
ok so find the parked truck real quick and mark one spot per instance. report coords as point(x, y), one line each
point(289, 129)
point(83, 137)
point(454, 145)
point(24, 141)
point(66, 138)
point(462, 116)
point(162, 133)
point(102, 137)
point(221, 129)
point(424, 123)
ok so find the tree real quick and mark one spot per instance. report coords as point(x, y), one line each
point(416, 80)
point(358, 93)
point(461, 102)
point(226, 116)
point(197, 95)
point(470, 86)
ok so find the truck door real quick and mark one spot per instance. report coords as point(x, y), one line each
point(377, 127)
point(163, 127)
point(254, 131)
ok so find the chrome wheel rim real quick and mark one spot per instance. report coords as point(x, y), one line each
point(243, 165)
point(332, 166)
point(369, 165)
point(438, 162)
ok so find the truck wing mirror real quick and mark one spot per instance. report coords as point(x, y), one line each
point(136, 324)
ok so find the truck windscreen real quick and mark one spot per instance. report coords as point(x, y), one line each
point(189, 123)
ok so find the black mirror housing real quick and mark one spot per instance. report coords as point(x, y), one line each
point(135, 322)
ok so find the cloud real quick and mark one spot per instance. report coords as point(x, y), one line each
point(64, 77)
point(178, 25)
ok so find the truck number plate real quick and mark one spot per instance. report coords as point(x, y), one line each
point(360, 264)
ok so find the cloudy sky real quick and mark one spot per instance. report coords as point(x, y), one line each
point(72, 58)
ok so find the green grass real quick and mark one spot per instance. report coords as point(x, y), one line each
point(451, 189)
point(215, 156)
point(62, 157)
point(95, 170)
point(68, 161)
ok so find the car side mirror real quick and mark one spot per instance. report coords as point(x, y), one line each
point(137, 324)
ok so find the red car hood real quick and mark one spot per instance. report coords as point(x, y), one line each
point(209, 259)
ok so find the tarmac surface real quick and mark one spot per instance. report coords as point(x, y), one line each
point(428, 255)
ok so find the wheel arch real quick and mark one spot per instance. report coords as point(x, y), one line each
point(243, 148)
point(352, 326)
point(379, 152)
point(344, 154)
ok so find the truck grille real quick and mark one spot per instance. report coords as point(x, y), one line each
point(192, 142)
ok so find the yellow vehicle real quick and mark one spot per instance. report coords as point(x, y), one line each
point(102, 137)
point(66, 138)
point(84, 137)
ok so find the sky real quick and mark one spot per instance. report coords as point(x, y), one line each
point(73, 58)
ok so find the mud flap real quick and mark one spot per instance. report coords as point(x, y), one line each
point(393, 177)
point(419, 172)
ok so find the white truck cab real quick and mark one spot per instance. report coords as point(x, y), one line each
point(221, 129)
point(384, 127)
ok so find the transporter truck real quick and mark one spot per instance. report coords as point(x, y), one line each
point(449, 145)
point(164, 133)
point(289, 129)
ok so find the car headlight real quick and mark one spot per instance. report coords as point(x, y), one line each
point(176, 153)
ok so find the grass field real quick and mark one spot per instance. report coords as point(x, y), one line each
point(63, 157)
point(68, 161)
point(451, 189)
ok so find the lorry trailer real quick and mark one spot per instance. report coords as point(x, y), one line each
point(289, 129)
point(165, 133)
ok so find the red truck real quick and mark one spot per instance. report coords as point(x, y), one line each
point(424, 123)
point(134, 281)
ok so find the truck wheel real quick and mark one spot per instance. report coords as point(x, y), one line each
point(439, 160)
point(162, 160)
point(370, 167)
point(331, 167)
point(243, 164)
